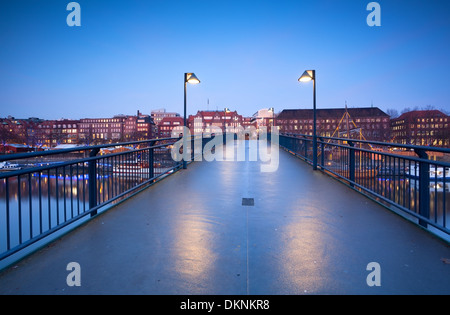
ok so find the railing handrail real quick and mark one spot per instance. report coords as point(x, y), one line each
point(387, 144)
point(71, 162)
point(19, 156)
point(394, 155)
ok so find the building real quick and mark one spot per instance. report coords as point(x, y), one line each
point(167, 124)
point(12, 131)
point(422, 127)
point(120, 128)
point(264, 118)
point(367, 123)
point(248, 122)
point(204, 121)
point(51, 133)
point(158, 114)
point(20, 131)
point(145, 127)
point(102, 130)
point(88, 131)
point(15, 148)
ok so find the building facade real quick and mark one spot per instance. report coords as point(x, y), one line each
point(422, 127)
point(205, 121)
point(51, 133)
point(102, 130)
point(38, 133)
point(159, 114)
point(367, 123)
point(264, 118)
point(167, 124)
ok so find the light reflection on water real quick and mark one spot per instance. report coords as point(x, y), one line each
point(405, 192)
point(43, 202)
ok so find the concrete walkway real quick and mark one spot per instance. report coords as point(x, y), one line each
point(190, 234)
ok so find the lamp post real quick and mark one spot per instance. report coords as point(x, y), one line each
point(272, 110)
point(310, 75)
point(225, 111)
point(192, 79)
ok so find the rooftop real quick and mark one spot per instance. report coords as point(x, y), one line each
point(331, 112)
point(421, 114)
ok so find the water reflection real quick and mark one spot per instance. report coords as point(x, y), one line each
point(35, 203)
point(405, 192)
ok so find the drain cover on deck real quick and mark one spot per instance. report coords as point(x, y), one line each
point(248, 201)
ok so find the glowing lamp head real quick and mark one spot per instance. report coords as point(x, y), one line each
point(192, 79)
point(307, 76)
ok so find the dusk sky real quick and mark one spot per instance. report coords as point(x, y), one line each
point(131, 55)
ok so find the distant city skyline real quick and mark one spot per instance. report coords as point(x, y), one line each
point(131, 55)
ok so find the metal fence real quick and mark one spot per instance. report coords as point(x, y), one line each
point(44, 192)
point(414, 179)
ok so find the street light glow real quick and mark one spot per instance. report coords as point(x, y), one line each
point(192, 79)
point(307, 76)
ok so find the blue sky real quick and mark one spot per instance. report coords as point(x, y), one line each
point(131, 55)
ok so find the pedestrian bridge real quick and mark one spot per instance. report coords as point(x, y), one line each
point(226, 228)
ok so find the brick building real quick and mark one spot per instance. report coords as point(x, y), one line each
point(422, 127)
point(264, 118)
point(203, 121)
point(167, 124)
point(51, 133)
point(159, 114)
point(372, 123)
point(102, 130)
point(145, 127)
point(12, 131)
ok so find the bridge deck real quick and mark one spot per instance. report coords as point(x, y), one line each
point(190, 234)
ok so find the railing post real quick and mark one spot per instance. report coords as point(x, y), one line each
point(351, 163)
point(322, 152)
point(424, 184)
point(192, 148)
point(151, 160)
point(306, 148)
point(92, 182)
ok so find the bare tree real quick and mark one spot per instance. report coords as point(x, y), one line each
point(445, 111)
point(393, 113)
point(428, 107)
point(405, 110)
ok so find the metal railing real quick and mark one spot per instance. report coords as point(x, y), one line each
point(401, 176)
point(57, 189)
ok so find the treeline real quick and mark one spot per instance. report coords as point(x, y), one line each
point(394, 113)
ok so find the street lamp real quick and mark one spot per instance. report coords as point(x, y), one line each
point(272, 110)
point(225, 111)
point(191, 79)
point(310, 75)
